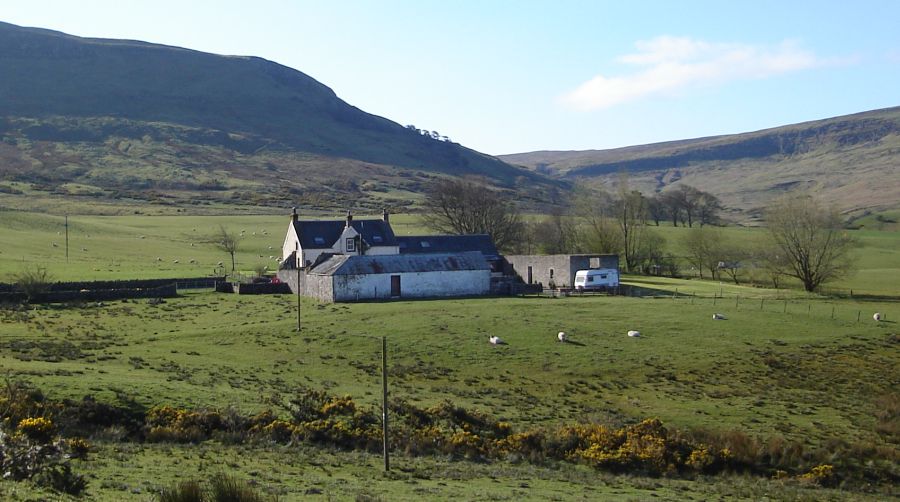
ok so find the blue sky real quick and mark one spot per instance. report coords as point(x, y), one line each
point(508, 76)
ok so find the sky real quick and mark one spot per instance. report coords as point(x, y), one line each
point(512, 76)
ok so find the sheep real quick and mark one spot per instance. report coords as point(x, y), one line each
point(495, 340)
point(634, 334)
point(174, 261)
point(719, 317)
point(143, 237)
point(562, 336)
point(84, 249)
point(219, 264)
point(192, 244)
point(193, 260)
point(158, 258)
point(270, 248)
point(55, 244)
point(877, 316)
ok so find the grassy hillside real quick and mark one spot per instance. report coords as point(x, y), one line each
point(122, 118)
point(848, 160)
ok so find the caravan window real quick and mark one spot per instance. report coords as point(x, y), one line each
point(590, 278)
point(603, 276)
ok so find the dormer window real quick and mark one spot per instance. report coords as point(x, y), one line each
point(425, 244)
point(351, 244)
point(376, 238)
point(319, 241)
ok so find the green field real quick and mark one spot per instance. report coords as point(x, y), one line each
point(784, 366)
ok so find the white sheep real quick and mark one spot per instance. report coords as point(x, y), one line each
point(84, 249)
point(495, 340)
point(143, 237)
point(719, 317)
point(55, 244)
point(174, 261)
point(634, 334)
point(877, 316)
point(158, 258)
point(193, 260)
point(562, 336)
point(270, 248)
point(219, 264)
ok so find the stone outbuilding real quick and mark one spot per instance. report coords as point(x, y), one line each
point(341, 278)
point(557, 270)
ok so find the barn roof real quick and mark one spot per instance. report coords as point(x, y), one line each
point(449, 244)
point(395, 264)
point(322, 234)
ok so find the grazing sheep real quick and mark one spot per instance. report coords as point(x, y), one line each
point(193, 260)
point(143, 237)
point(174, 261)
point(192, 244)
point(634, 334)
point(495, 340)
point(719, 317)
point(877, 316)
point(84, 249)
point(219, 264)
point(254, 233)
point(158, 258)
point(55, 244)
point(270, 248)
point(562, 336)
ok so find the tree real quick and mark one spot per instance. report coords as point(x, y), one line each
point(630, 212)
point(708, 207)
point(599, 233)
point(226, 241)
point(672, 205)
point(556, 234)
point(656, 209)
point(33, 282)
point(466, 207)
point(703, 249)
point(811, 238)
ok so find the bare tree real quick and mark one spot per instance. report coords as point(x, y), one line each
point(630, 213)
point(703, 249)
point(556, 234)
point(33, 282)
point(599, 233)
point(672, 205)
point(656, 209)
point(811, 238)
point(466, 207)
point(226, 241)
point(708, 207)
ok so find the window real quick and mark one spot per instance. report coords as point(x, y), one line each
point(425, 244)
point(376, 238)
point(603, 276)
point(590, 278)
point(351, 244)
point(551, 273)
point(319, 240)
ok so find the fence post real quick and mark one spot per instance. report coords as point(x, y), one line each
point(762, 301)
point(832, 312)
point(785, 306)
point(857, 315)
point(384, 403)
point(737, 298)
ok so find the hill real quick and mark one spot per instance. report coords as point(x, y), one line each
point(121, 118)
point(851, 160)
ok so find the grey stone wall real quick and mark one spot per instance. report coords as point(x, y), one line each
point(558, 268)
point(315, 286)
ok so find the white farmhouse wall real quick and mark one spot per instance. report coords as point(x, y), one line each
point(291, 242)
point(412, 285)
point(383, 250)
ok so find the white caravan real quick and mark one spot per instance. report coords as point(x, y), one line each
point(597, 278)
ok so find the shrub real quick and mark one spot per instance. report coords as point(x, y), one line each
point(33, 282)
point(222, 488)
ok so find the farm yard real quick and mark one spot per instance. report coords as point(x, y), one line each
point(799, 380)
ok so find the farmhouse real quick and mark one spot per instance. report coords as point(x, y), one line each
point(362, 259)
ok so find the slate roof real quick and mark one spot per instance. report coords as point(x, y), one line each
point(322, 234)
point(449, 244)
point(395, 264)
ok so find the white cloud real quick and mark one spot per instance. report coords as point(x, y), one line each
point(668, 64)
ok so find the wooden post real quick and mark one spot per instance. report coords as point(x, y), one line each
point(714, 299)
point(384, 404)
point(857, 315)
point(808, 309)
point(67, 237)
point(298, 299)
point(832, 311)
point(762, 302)
point(785, 306)
point(737, 298)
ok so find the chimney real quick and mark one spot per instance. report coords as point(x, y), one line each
point(384, 215)
point(294, 213)
point(349, 218)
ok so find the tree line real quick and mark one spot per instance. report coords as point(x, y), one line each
point(805, 240)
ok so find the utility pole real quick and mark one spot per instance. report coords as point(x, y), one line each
point(67, 237)
point(298, 299)
point(384, 403)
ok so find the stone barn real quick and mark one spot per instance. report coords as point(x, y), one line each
point(557, 270)
point(342, 278)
